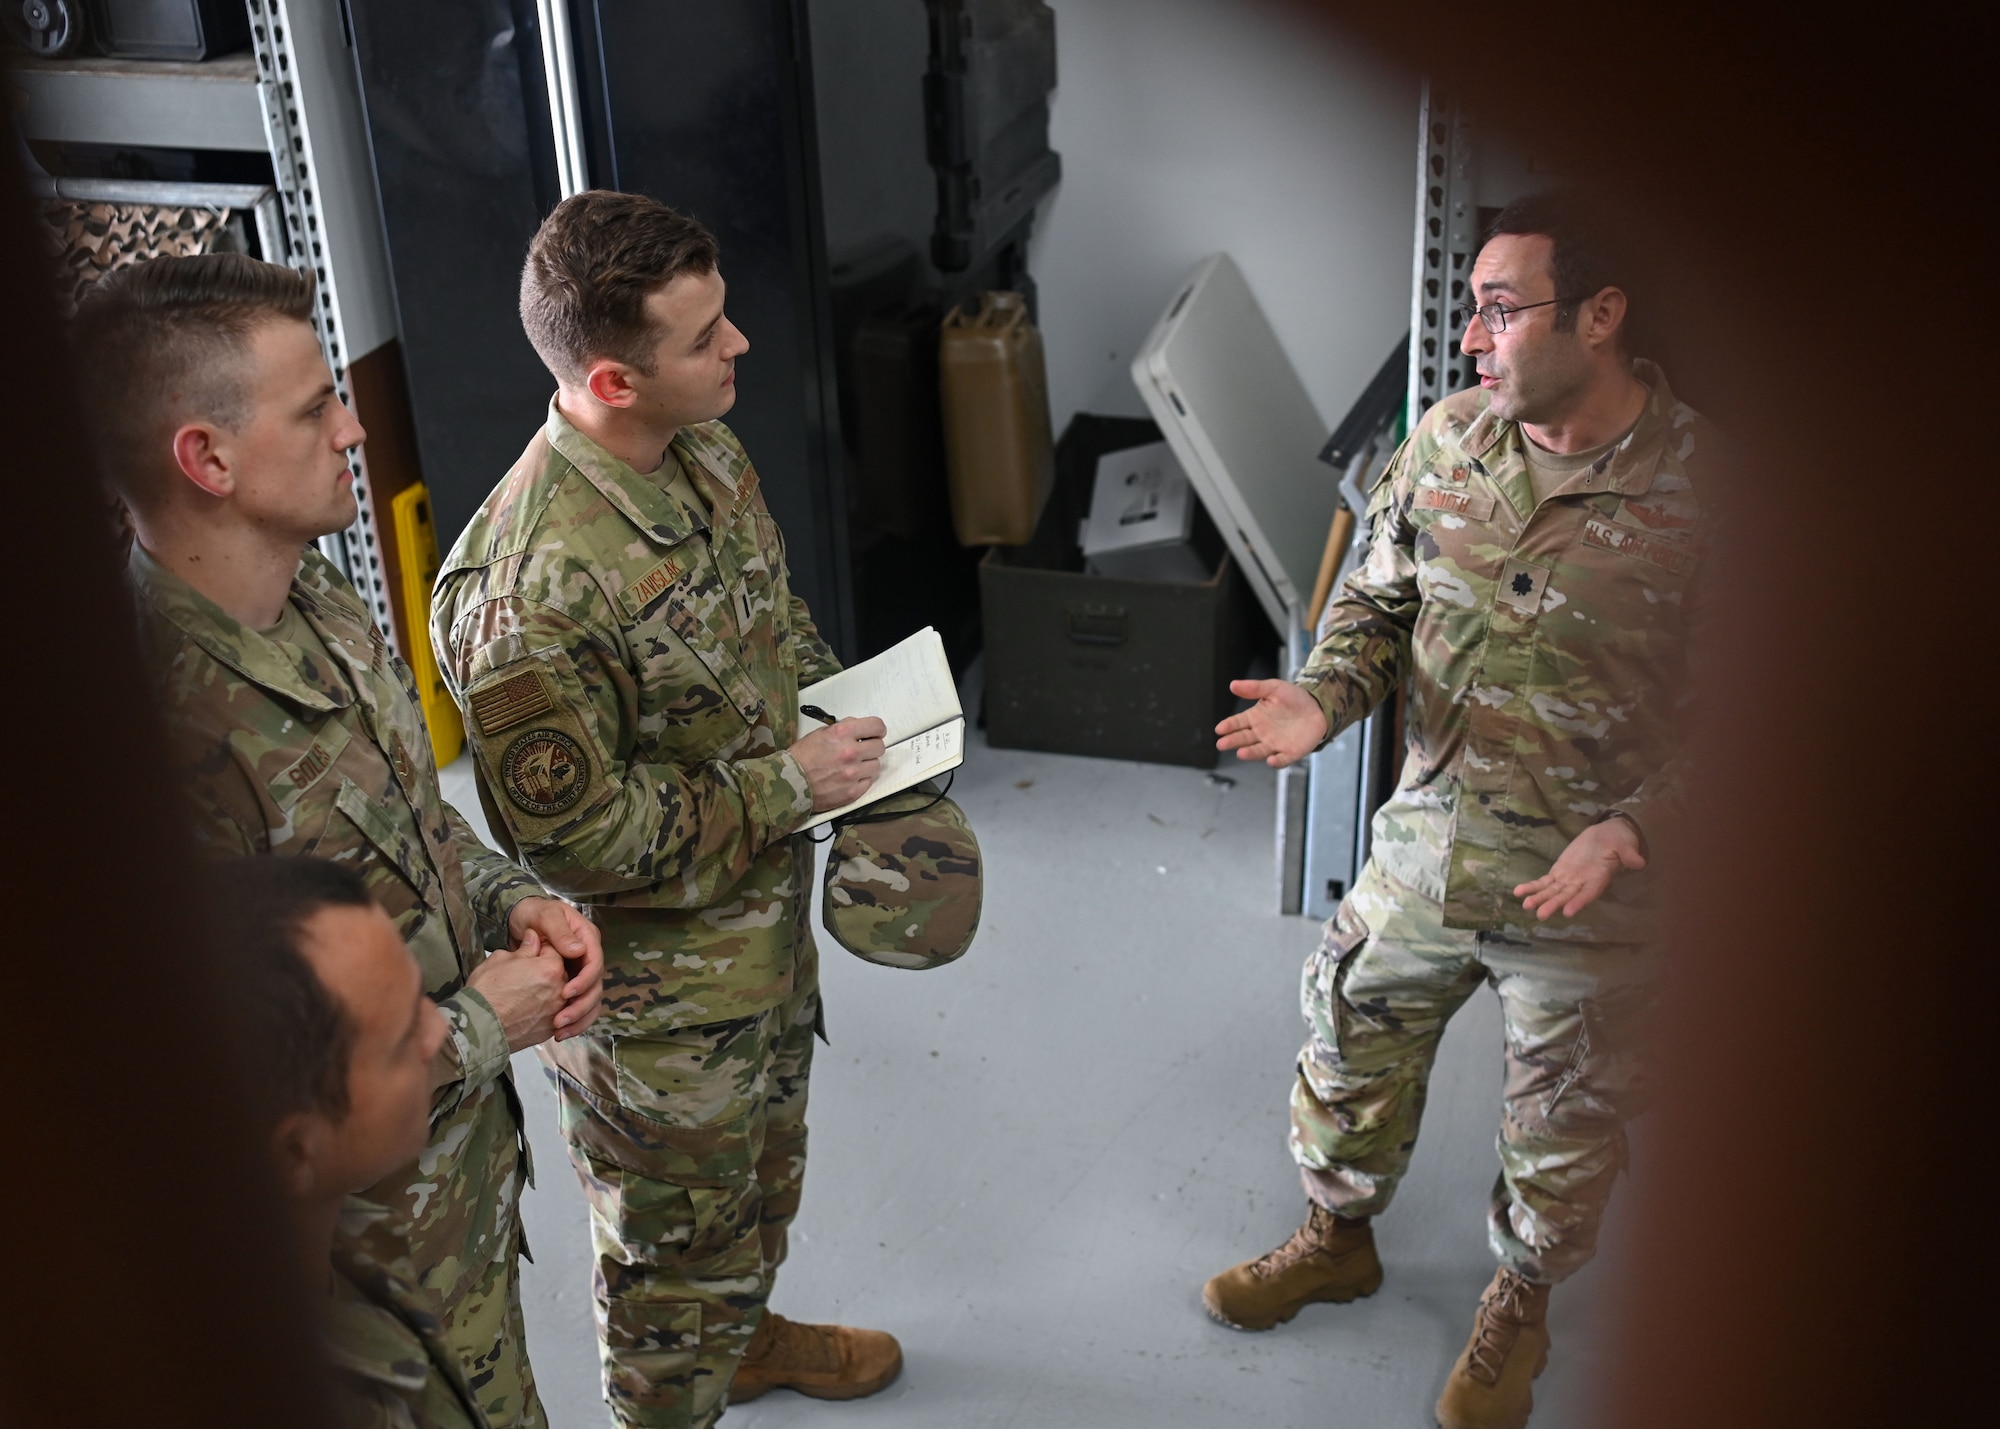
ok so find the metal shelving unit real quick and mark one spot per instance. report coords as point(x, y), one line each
point(163, 104)
point(294, 99)
point(1447, 240)
point(333, 229)
point(1327, 807)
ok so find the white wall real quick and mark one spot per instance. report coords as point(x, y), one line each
point(1187, 126)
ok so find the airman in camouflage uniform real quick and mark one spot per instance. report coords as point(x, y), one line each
point(629, 666)
point(323, 752)
point(1547, 648)
point(294, 729)
point(1542, 623)
point(618, 624)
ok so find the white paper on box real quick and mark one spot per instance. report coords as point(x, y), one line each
point(1140, 497)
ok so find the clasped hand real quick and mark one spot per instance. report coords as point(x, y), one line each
point(551, 982)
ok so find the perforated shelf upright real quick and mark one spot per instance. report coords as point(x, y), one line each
point(293, 98)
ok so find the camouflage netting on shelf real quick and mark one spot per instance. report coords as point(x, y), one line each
point(94, 238)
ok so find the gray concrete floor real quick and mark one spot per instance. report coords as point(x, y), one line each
point(1025, 1164)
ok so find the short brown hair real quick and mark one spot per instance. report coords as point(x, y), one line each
point(1586, 257)
point(177, 327)
point(592, 265)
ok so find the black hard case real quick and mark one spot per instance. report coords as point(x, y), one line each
point(169, 29)
point(1083, 664)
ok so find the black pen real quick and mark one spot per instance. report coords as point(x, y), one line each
point(815, 712)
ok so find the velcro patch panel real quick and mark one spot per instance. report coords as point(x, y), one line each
point(506, 703)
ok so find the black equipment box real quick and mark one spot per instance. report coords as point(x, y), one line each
point(170, 29)
point(986, 116)
point(1120, 669)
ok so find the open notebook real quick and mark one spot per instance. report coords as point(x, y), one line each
point(909, 688)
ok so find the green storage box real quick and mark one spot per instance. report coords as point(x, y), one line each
point(1084, 664)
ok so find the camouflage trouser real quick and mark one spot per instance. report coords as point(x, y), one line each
point(1386, 977)
point(484, 1325)
point(691, 1146)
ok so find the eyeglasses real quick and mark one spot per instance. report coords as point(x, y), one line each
point(1494, 315)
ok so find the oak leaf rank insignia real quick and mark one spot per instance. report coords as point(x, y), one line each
point(545, 772)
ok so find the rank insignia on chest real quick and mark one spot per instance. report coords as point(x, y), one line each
point(1522, 584)
point(545, 772)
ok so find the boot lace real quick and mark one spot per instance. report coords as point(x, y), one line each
point(1307, 1239)
point(1503, 1311)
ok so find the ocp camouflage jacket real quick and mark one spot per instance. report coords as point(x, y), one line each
point(629, 670)
point(381, 1338)
point(332, 759)
point(1547, 649)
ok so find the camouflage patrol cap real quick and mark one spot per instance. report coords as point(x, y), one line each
point(904, 890)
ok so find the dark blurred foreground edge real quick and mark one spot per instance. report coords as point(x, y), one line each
point(1815, 1221)
point(144, 1274)
point(1816, 1232)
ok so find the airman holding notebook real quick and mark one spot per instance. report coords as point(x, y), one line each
point(618, 625)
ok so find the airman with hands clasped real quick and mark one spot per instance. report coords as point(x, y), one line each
point(294, 728)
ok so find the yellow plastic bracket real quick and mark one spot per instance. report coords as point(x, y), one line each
point(417, 548)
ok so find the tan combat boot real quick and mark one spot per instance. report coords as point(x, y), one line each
point(1327, 1259)
point(824, 1361)
point(1491, 1386)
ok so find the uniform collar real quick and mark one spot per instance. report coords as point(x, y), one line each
point(379, 1325)
point(1632, 462)
point(714, 466)
point(251, 653)
point(645, 500)
point(368, 1339)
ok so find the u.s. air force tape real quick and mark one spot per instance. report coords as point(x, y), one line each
point(544, 772)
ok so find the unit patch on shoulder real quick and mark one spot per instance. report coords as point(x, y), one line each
point(505, 704)
point(544, 772)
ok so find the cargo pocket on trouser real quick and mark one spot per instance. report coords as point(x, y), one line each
point(1605, 1081)
point(667, 1132)
point(652, 1363)
point(781, 1168)
point(691, 1106)
point(1562, 1140)
point(1349, 1129)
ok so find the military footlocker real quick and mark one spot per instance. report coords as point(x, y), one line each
point(1121, 669)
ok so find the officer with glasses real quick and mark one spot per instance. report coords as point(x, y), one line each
point(1534, 570)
